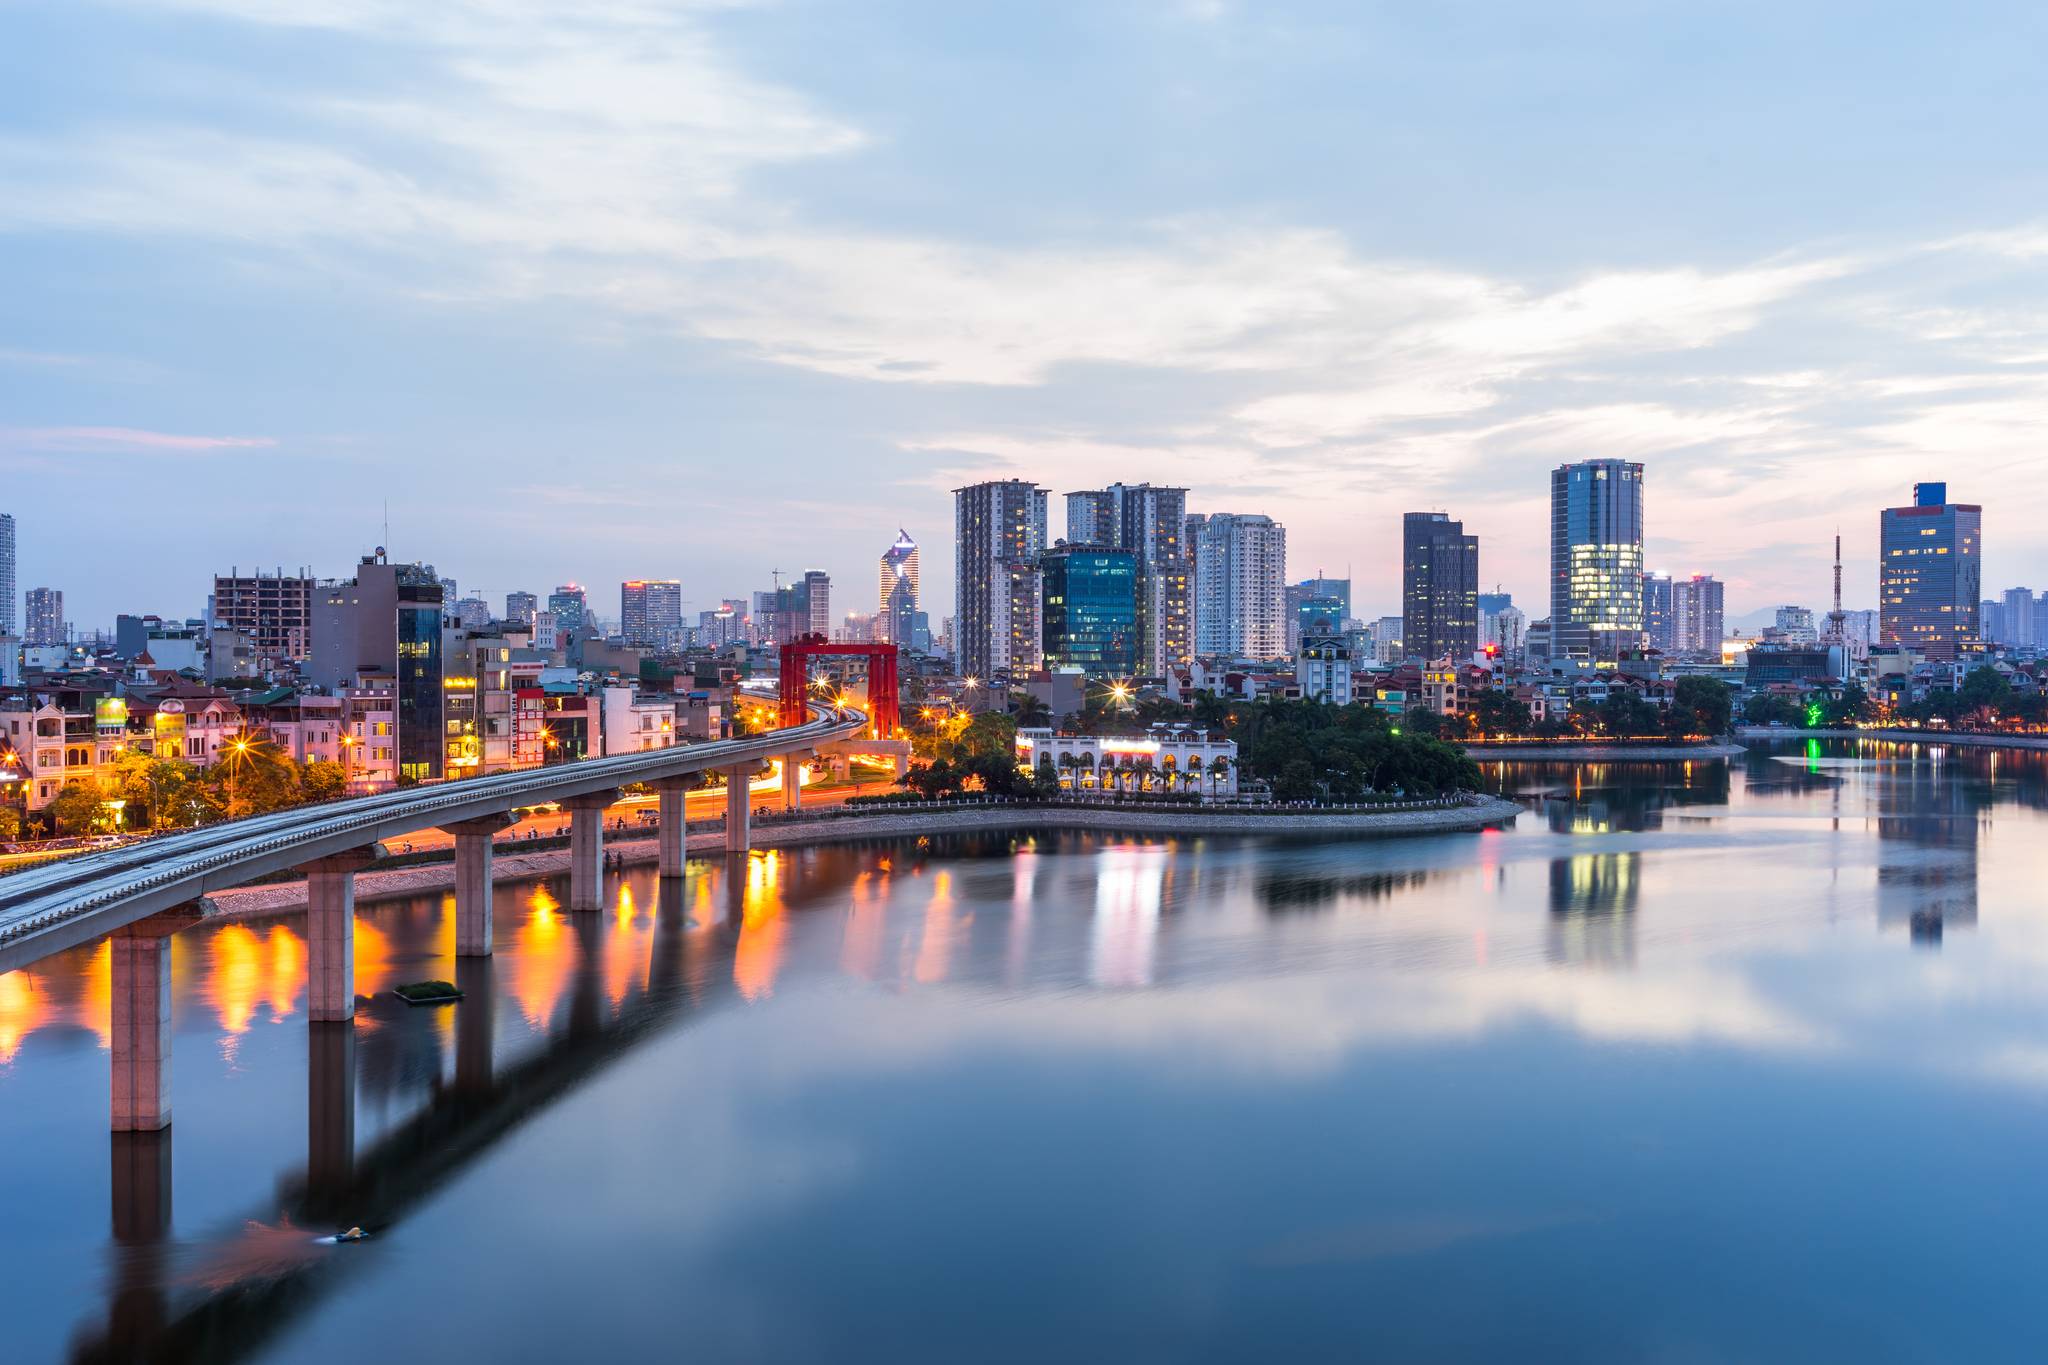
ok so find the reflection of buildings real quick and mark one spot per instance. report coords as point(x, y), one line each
point(1927, 838)
point(1130, 883)
point(1593, 908)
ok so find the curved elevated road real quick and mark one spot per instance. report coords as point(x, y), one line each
point(53, 906)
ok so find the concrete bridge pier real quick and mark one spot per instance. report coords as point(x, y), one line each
point(473, 882)
point(331, 933)
point(586, 849)
point(141, 1018)
point(738, 813)
point(141, 1190)
point(673, 836)
point(475, 1025)
point(793, 781)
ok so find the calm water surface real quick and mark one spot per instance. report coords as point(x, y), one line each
point(1696, 1063)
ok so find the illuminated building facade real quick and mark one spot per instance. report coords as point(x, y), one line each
point(1439, 587)
point(1659, 623)
point(8, 601)
point(45, 617)
point(897, 592)
point(1596, 558)
point(1166, 759)
point(650, 611)
point(1930, 574)
point(571, 607)
point(384, 627)
point(1151, 523)
point(999, 534)
point(1091, 609)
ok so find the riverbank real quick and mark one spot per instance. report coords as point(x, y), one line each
point(1564, 751)
point(1478, 812)
point(1967, 741)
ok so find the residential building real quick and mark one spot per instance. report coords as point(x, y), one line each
point(818, 601)
point(571, 606)
point(544, 631)
point(1697, 615)
point(274, 610)
point(650, 610)
point(385, 625)
point(999, 534)
point(1930, 573)
point(1503, 630)
point(1439, 587)
point(520, 608)
point(1794, 625)
point(1151, 523)
point(45, 617)
point(1090, 609)
point(8, 601)
point(2018, 611)
point(1240, 585)
point(473, 613)
point(1387, 645)
point(1596, 558)
point(1322, 670)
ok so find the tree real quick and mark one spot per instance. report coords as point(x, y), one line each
point(1701, 706)
point(1768, 708)
point(1984, 686)
point(933, 780)
point(78, 809)
point(1420, 720)
point(1046, 777)
point(10, 824)
point(1499, 713)
point(1031, 712)
point(321, 780)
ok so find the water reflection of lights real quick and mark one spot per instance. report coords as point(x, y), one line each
point(757, 958)
point(24, 1008)
point(1130, 883)
point(245, 970)
point(941, 931)
point(542, 963)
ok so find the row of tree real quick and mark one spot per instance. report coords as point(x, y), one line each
point(144, 792)
point(1313, 751)
point(1700, 706)
point(1985, 701)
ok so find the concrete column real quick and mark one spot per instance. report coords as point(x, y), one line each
point(331, 934)
point(473, 882)
point(141, 1190)
point(476, 1021)
point(737, 809)
point(672, 841)
point(792, 781)
point(330, 1116)
point(141, 1016)
point(586, 849)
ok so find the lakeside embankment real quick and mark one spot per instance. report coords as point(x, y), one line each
point(1967, 741)
point(1476, 812)
point(1547, 751)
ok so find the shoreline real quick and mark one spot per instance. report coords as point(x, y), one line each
point(1607, 753)
point(1967, 741)
point(403, 883)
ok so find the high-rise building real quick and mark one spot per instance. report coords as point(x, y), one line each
point(1387, 646)
point(1317, 608)
point(1596, 558)
point(896, 591)
point(818, 600)
point(274, 611)
point(1150, 522)
point(1091, 609)
point(571, 607)
point(1659, 625)
point(1794, 625)
point(999, 534)
point(1697, 615)
point(1930, 573)
point(385, 624)
point(2018, 611)
point(45, 617)
point(1439, 587)
point(650, 611)
point(1240, 585)
point(1503, 628)
point(8, 601)
point(520, 607)
point(473, 613)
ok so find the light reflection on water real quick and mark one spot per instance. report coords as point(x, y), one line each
point(1638, 1077)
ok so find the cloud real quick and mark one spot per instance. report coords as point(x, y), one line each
point(122, 440)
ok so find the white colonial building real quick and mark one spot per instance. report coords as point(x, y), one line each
point(1165, 759)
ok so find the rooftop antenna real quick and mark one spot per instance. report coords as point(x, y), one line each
point(387, 521)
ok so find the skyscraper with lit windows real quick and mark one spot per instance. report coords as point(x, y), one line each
point(1930, 573)
point(1596, 558)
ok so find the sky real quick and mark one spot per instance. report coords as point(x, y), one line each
point(705, 290)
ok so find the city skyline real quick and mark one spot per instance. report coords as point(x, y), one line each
point(513, 248)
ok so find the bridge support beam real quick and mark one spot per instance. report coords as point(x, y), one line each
point(473, 882)
point(673, 835)
point(738, 830)
point(331, 934)
point(141, 1017)
point(586, 849)
point(793, 781)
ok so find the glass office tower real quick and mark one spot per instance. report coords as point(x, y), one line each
point(1596, 559)
point(1091, 609)
point(1930, 573)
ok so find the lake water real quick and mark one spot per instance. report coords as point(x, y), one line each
point(1707, 1062)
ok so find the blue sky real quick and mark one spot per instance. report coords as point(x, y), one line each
point(708, 289)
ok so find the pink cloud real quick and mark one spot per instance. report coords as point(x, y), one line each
point(111, 440)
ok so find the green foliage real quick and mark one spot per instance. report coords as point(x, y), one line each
point(1311, 750)
point(78, 809)
point(1765, 708)
point(321, 780)
point(10, 824)
point(1985, 686)
point(1499, 713)
point(1701, 706)
point(1046, 777)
